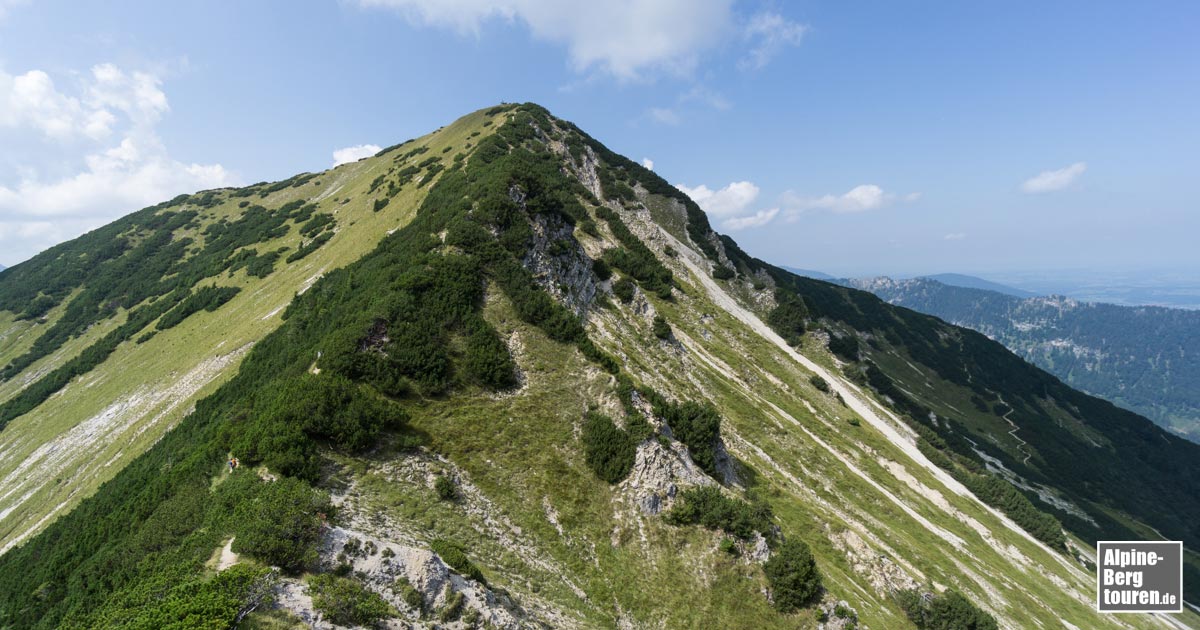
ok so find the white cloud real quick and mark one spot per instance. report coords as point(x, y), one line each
point(858, 199)
point(758, 219)
point(663, 115)
point(771, 33)
point(625, 38)
point(731, 205)
point(355, 153)
point(138, 95)
point(648, 163)
point(5, 5)
point(732, 200)
point(32, 100)
point(1048, 181)
point(709, 97)
point(104, 176)
point(134, 174)
point(954, 236)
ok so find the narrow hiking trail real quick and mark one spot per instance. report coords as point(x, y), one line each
point(1023, 446)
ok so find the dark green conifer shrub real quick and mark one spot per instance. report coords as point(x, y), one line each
point(710, 508)
point(661, 328)
point(623, 289)
point(347, 602)
point(609, 450)
point(946, 611)
point(456, 558)
point(792, 572)
point(601, 269)
point(788, 317)
point(280, 525)
point(445, 488)
point(721, 272)
point(698, 425)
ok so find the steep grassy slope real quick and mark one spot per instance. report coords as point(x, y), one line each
point(1142, 358)
point(58, 453)
point(438, 389)
point(980, 409)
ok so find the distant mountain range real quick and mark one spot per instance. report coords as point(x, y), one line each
point(952, 279)
point(1175, 288)
point(809, 273)
point(1143, 358)
point(973, 282)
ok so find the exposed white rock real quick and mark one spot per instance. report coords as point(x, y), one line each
point(659, 472)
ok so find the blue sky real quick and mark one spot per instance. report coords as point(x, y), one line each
point(854, 138)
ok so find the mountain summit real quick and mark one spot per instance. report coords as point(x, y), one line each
point(500, 376)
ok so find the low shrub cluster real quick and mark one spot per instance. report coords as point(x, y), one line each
point(347, 602)
point(317, 223)
point(634, 258)
point(409, 594)
point(279, 523)
point(601, 269)
point(205, 299)
point(661, 328)
point(788, 317)
point(182, 603)
point(845, 347)
point(309, 247)
point(710, 508)
point(456, 558)
point(623, 289)
point(608, 449)
point(793, 575)
point(697, 425)
point(946, 611)
point(280, 427)
point(445, 488)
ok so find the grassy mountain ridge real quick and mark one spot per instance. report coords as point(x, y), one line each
point(1141, 358)
point(48, 456)
point(436, 387)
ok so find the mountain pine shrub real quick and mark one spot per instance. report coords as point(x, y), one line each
point(608, 449)
point(793, 574)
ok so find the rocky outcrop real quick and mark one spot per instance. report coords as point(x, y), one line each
point(879, 569)
point(557, 261)
point(395, 572)
point(659, 471)
point(836, 614)
point(727, 466)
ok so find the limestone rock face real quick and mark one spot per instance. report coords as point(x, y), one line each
point(658, 473)
point(558, 262)
point(380, 564)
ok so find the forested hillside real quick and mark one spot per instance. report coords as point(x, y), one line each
point(1143, 358)
point(535, 389)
